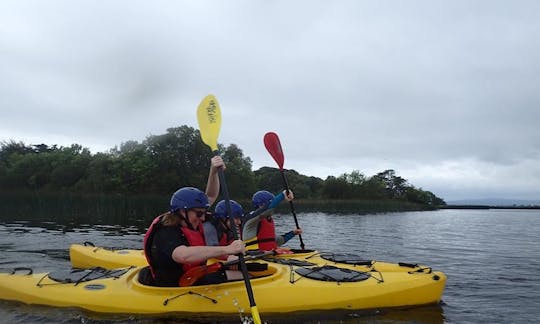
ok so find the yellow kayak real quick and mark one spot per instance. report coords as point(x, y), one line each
point(87, 255)
point(278, 289)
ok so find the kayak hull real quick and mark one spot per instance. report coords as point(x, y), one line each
point(281, 290)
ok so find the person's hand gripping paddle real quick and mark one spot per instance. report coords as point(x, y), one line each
point(273, 146)
point(209, 117)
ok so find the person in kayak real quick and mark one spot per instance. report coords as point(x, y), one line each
point(259, 227)
point(217, 226)
point(174, 242)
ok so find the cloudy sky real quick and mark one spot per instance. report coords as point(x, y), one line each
point(446, 93)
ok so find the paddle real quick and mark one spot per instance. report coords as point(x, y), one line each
point(273, 146)
point(192, 275)
point(209, 117)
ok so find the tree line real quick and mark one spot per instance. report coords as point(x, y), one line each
point(160, 164)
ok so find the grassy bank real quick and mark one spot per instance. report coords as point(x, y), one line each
point(69, 208)
point(355, 206)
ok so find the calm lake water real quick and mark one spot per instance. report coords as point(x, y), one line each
point(491, 257)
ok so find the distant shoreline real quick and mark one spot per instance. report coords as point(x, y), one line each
point(486, 207)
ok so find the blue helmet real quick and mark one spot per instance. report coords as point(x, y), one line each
point(221, 209)
point(187, 198)
point(261, 198)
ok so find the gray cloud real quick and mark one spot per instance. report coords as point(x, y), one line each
point(444, 93)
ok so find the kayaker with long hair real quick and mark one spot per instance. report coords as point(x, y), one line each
point(174, 242)
point(260, 223)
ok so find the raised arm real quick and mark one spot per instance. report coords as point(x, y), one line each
point(279, 198)
point(212, 186)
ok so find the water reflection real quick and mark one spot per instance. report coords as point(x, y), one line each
point(24, 227)
point(491, 259)
point(429, 314)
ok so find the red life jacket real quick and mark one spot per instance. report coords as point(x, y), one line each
point(148, 238)
point(227, 237)
point(224, 240)
point(266, 235)
point(194, 238)
point(222, 232)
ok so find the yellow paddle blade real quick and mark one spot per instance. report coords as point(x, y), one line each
point(209, 117)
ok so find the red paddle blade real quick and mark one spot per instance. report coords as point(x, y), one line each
point(273, 146)
point(192, 275)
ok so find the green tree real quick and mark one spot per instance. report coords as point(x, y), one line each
point(101, 176)
point(299, 184)
point(9, 148)
point(69, 165)
point(315, 185)
point(420, 196)
point(132, 168)
point(30, 171)
point(270, 179)
point(267, 178)
point(240, 178)
point(179, 159)
point(336, 188)
point(395, 186)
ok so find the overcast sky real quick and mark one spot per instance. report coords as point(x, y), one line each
point(446, 93)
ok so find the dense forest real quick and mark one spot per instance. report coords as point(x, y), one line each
point(162, 163)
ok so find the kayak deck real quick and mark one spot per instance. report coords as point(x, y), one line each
point(281, 289)
point(88, 255)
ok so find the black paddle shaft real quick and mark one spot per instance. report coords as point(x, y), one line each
point(243, 266)
point(292, 209)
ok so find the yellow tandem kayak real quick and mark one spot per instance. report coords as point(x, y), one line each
point(279, 289)
point(87, 255)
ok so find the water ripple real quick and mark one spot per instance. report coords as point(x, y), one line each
point(491, 258)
